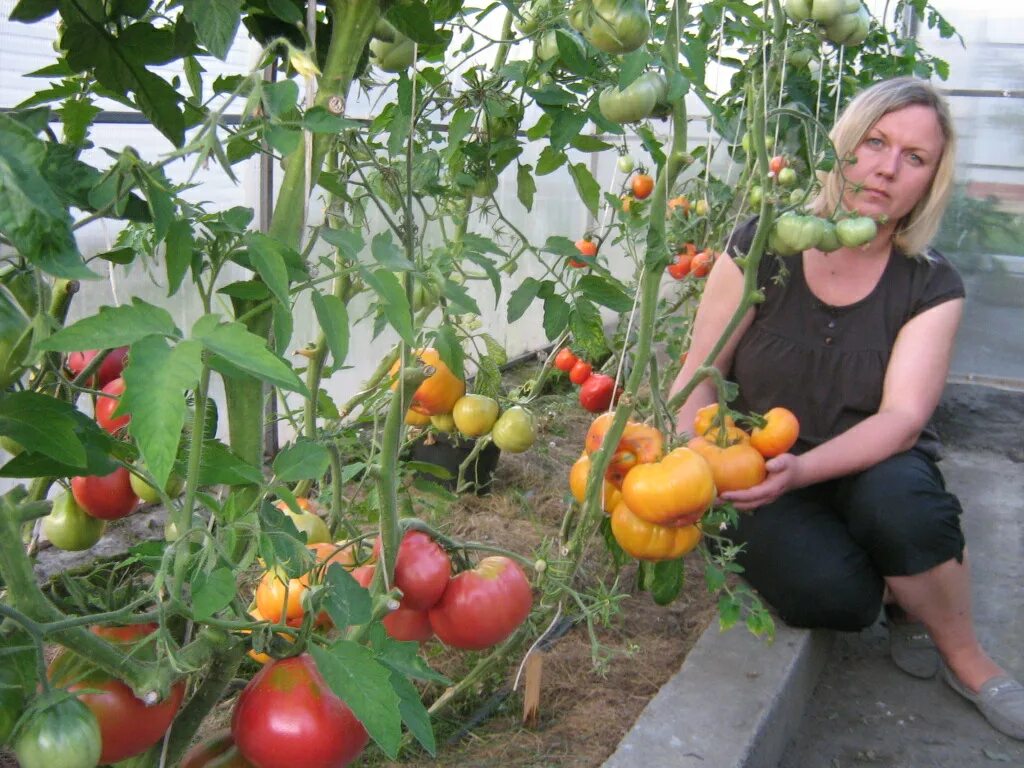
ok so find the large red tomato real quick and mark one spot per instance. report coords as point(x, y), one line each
point(107, 497)
point(105, 407)
point(287, 716)
point(408, 624)
point(598, 393)
point(483, 606)
point(109, 369)
point(422, 570)
point(127, 726)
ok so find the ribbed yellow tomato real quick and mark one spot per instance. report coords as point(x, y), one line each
point(648, 541)
point(677, 490)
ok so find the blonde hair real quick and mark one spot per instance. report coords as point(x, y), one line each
point(914, 231)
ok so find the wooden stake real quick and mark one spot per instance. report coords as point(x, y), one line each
point(531, 693)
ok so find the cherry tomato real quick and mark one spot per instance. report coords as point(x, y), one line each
point(598, 393)
point(702, 262)
point(587, 247)
point(776, 164)
point(109, 369)
point(642, 186)
point(107, 403)
point(580, 372)
point(107, 497)
point(565, 359)
point(625, 164)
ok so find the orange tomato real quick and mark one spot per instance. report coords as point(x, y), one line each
point(416, 419)
point(585, 246)
point(776, 164)
point(680, 203)
point(280, 599)
point(702, 263)
point(680, 267)
point(707, 417)
point(734, 468)
point(642, 186)
point(778, 434)
point(438, 392)
point(578, 476)
point(677, 490)
point(647, 541)
point(627, 203)
point(639, 444)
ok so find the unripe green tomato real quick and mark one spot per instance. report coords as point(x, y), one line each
point(787, 177)
point(171, 533)
point(756, 195)
point(769, 145)
point(149, 494)
point(486, 185)
point(857, 231)
point(826, 11)
point(625, 164)
point(475, 415)
point(701, 208)
point(315, 529)
point(514, 431)
point(443, 422)
point(393, 57)
point(797, 197)
point(70, 527)
point(799, 58)
point(617, 26)
point(64, 735)
point(829, 241)
point(798, 10)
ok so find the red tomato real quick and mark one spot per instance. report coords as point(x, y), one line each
point(287, 716)
point(127, 726)
point(580, 372)
point(642, 186)
point(587, 247)
point(129, 633)
point(105, 407)
point(218, 751)
point(702, 262)
point(680, 268)
point(483, 606)
point(598, 392)
point(776, 164)
point(109, 369)
point(565, 359)
point(107, 497)
point(409, 624)
point(422, 570)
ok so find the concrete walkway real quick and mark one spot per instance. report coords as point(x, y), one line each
point(818, 700)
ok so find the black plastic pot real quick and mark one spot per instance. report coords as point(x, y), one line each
point(449, 452)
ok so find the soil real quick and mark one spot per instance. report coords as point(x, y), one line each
point(593, 688)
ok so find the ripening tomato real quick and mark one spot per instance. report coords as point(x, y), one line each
point(679, 203)
point(702, 263)
point(585, 246)
point(288, 716)
point(598, 393)
point(565, 359)
point(639, 444)
point(107, 497)
point(627, 203)
point(515, 430)
point(735, 468)
point(422, 569)
point(308, 521)
point(776, 164)
point(110, 368)
point(484, 606)
point(417, 419)
point(438, 392)
point(218, 751)
point(128, 726)
point(580, 372)
point(279, 598)
point(648, 541)
point(474, 415)
point(642, 186)
point(677, 490)
point(680, 267)
point(778, 434)
point(408, 624)
point(578, 476)
point(107, 403)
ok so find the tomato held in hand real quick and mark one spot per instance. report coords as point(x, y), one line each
point(778, 434)
point(565, 359)
point(598, 393)
point(218, 751)
point(107, 497)
point(580, 372)
point(107, 403)
point(288, 716)
point(735, 468)
point(642, 185)
point(484, 606)
point(110, 368)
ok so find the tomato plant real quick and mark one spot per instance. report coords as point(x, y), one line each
point(106, 497)
point(288, 716)
point(483, 606)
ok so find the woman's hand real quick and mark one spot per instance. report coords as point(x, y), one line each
point(783, 476)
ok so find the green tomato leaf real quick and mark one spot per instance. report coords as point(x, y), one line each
point(268, 262)
point(113, 327)
point(605, 291)
point(42, 424)
point(664, 580)
point(216, 22)
point(389, 255)
point(556, 315)
point(414, 714)
point(155, 382)
point(459, 127)
point(34, 10)
point(459, 299)
point(449, 349)
point(219, 466)
point(414, 20)
point(319, 120)
point(345, 601)
point(550, 160)
point(588, 330)
point(364, 684)
point(348, 241)
point(304, 460)
point(281, 544)
point(280, 97)
point(332, 314)
point(393, 302)
point(587, 187)
point(521, 298)
point(566, 126)
point(247, 352)
point(526, 186)
point(212, 592)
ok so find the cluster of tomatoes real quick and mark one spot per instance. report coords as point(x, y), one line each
point(691, 262)
point(657, 499)
point(287, 715)
point(597, 390)
point(441, 401)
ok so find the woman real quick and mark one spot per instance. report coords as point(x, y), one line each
point(857, 343)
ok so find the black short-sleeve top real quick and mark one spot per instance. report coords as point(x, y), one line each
point(827, 364)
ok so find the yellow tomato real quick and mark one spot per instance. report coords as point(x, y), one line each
point(677, 490)
point(475, 415)
point(647, 541)
point(439, 391)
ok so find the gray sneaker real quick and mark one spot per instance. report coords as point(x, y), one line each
point(910, 646)
point(1000, 700)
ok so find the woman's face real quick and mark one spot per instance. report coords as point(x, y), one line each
point(896, 162)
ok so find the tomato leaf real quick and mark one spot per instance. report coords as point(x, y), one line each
point(43, 425)
point(550, 160)
point(389, 255)
point(521, 298)
point(364, 684)
point(393, 302)
point(566, 126)
point(728, 611)
point(588, 188)
point(345, 601)
point(459, 299)
point(619, 556)
point(414, 20)
point(633, 65)
point(113, 327)
point(414, 714)
point(605, 291)
point(664, 579)
point(305, 460)
point(281, 543)
point(526, 186)
point(216, 22)
point(178, 254)
point(268, 262)
point(450, 350)
point(212, 592)
point(247, 352)
point(588, 330)
point(155, 382)
point(219, 466)
point(332, 314)
point(556, 315)
point(402, 657)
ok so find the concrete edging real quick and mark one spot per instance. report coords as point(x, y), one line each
point(734, 703)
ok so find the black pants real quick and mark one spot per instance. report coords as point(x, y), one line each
point(818, 555)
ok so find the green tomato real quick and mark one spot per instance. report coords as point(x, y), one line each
point(315, 529)
point(70, 527)
point(795, 234)
point(150, 494)
point(755, 197)
point(636, 101)
point(849, 28)
point(701, 208)
point(395, 56)
point(64, 735)
point(798, 197)
point(617, 26)
point(826, 11)
point(857, 231)
point(829, 241)
point(798, 10)
point(787, 177)
point(171, 533)
point(514, 431)
point(546, 48)
point(475, 415)
point(625, 164)
point(486, 185)
point(800, 57)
